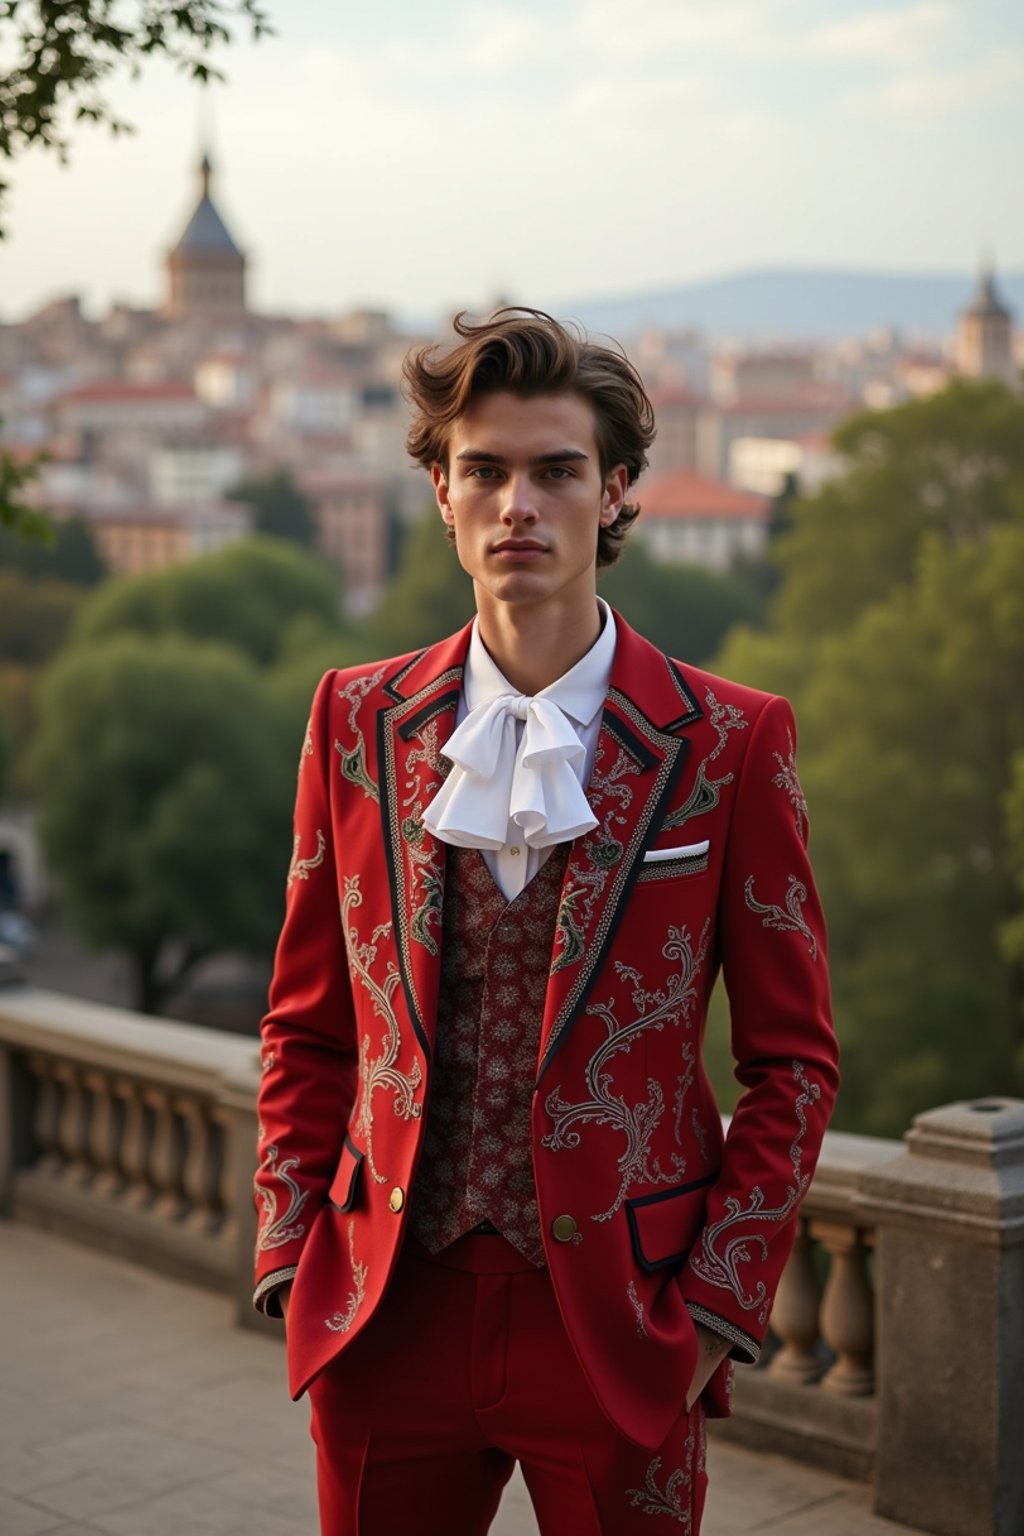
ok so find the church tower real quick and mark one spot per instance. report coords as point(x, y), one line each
point(206, 270)
point(984, 338)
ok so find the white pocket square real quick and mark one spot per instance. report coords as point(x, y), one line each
point(684, 851)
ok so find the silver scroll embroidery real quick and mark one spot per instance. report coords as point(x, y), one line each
point(790, 920)
point(602, 851)
point(726, 1244)
point(353, 759)
point(787, 779)
point(382, 1072)
point(707, 792)
point(341, 1322)
point(427, 884)
point(668, 1500)
point(638, 1309)
point(276, 1230)
point(637, 1123)
point(299, 869)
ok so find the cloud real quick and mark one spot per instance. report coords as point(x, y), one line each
point(926, 96)
point(889, 37)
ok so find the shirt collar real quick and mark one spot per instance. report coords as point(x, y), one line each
point(579, 693)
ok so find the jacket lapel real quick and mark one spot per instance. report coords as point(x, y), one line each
point(640, 755)
point(411, 734)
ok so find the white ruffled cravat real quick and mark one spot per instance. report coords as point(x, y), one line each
point(493, 782)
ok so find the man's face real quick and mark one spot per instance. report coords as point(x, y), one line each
point(525, 496)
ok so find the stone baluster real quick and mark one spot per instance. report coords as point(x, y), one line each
point(847, 1310)
point(104, 1132)
point(166, 1159)
point(795, 1316)
point(46, 1119)
point(948, 1215)
point(73, 1123)
point(136, 1136)
point(200, 1173)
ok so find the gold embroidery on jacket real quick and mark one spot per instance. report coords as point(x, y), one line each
point(719, 1255)
point(382, 1072)
point(788, 779)
point(789, 921)
point(277, 1230)
point(706, 793)
point(353, 758)
point(341, 1322)
point(299, 869)
point(653, 1010)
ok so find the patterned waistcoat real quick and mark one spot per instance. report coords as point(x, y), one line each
point(495, 956)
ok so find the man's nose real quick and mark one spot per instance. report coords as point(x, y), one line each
point(520, 501)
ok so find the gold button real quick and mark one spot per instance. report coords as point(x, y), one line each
point(564, 1229)
point(396, 1199)
point(513, 851)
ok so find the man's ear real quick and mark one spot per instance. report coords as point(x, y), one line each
point(616, 483)
point(439, 480)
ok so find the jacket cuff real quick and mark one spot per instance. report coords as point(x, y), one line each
point(265, 1297)
point(745, 1349)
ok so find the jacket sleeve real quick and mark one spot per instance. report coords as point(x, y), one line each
point(308, 1055)
point(773, 954)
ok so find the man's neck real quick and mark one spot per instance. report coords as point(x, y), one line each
point(534, 645)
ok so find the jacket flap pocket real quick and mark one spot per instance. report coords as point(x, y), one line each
point(664, 1225)
point(346, 1179)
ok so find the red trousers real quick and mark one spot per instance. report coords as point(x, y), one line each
point(465, 1369)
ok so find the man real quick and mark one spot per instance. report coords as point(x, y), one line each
point(498, 1210)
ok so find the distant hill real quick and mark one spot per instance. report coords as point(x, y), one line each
point(794, 303)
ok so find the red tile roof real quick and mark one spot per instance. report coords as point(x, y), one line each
point(682, 495)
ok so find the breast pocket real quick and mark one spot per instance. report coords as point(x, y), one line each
point(670, 863)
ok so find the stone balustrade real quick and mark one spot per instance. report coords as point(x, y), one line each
point(134, 1134)
point(896, 1352)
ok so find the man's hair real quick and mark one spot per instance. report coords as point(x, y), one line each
point(526, 352)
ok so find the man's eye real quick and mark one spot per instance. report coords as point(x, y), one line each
point(559, 472)
point(483, 472)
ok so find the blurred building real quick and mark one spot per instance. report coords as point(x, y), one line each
point(984, 337)
point(206, 270)
point(695, 518)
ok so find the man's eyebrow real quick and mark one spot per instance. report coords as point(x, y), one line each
point(560, 456)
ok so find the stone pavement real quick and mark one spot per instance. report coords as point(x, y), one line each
point(130, 1406)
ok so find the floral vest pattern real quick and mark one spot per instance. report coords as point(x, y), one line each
point(476, 1164)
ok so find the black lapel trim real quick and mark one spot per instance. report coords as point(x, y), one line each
point(392, 687)
point(654, 821)
point(628, 739)
point(422, 717)
point(693, 709)
point(391, 840)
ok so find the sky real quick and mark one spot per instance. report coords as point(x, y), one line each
point(420, 157)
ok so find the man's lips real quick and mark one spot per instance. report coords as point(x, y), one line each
point(522, 547)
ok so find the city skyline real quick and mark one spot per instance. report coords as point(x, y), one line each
point(417, 162)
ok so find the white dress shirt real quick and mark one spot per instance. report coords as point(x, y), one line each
point(579, 694)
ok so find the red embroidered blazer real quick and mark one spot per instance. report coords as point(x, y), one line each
point(651, 1217)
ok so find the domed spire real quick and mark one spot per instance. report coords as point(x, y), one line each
point(986, 300)
point(206, 230)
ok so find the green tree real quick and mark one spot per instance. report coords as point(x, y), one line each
point(898, 631)
point(164, 788)
point(683, 609)
point(282, 511)
point(68, 554)
point(429, 597)
point(59, 57)
point(251, 595)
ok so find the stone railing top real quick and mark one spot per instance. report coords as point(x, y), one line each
point(181, 1055)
